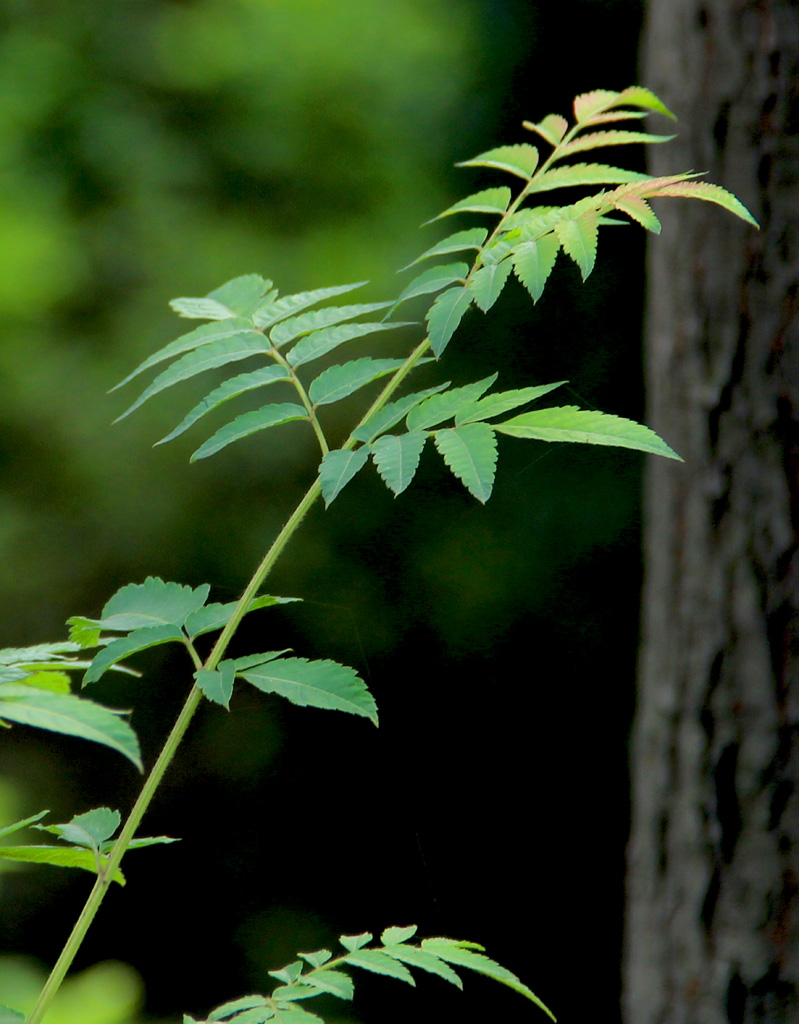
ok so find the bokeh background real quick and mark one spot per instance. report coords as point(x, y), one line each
point(150, 150)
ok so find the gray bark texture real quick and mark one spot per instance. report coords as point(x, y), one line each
point(712, 929)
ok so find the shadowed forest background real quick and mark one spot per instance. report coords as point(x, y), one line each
point(154, 150)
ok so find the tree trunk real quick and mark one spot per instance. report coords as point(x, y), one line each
point(712, 931)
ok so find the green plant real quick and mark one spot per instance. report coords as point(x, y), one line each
point(248, 319)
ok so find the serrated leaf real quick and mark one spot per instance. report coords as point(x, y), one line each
point(319, 684)
point(568, 423)
point(502, 401)
point(433, 280)
point(441, 407)
point(337, 983)
point(274, 310)
point(520, 160)
point(445, 315)
point(392, 413)
point(340, 381)
point(394, 936)
point(490, 200)
point(218, 353)
point(231, 388)
point(638, 96)
point(217, 684)
point(251, 660)
point(640, 211)
point(470, 452)
point(353, 942)
point(552, 128)
point(482, 964)
point(336, 470)
point(379, 963)
point(289, 973)
point(242, 294)
point(578, 236)
point(290, 993)
point(487, 283)
point(709, 193)
point(317, 958)
point(38, 653)
point(215, 616)
point(152, 603)
point(17, 826)
point(138, 640)
point(89, 829)
point(273, 415)
point(69, 715)
point(207, 334)
point(318, 344)
point(201, 309)
point(316, 320)
point(598, 140)
point(584, 174)
point(291, 1014)
point(236, 1006)
point(533, 263)
point(473, 238)
point(56, 856)
point(425, 961)
point(55, 682)
point(590, 103)
point(397, 458)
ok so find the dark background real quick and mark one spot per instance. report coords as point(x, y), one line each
point(154, 150)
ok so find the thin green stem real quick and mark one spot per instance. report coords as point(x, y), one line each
point(306, 401)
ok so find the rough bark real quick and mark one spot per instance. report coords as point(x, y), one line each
point(712, 932)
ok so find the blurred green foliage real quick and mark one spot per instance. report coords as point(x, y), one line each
point(107, 993)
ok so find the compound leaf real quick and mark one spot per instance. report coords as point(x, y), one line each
point(470, 452)
point(584, 174)
point(438, 408)
point(710, 193)
point(568, 423)
point(425, 961)
point(473, 238)
point(487, 283)
point(379, 963)
point(337, 469)
point(397, 458)
point(137, 640)
point(274, 310)
point(272, 415)
point(340, 381)
point(502, 401)
point(392, 413)
point(521, 160)
point(69, 715)
point(444, 316)
point(598, 140)
point(319, 684)
point(533, 263)
point(337, 983)
point(231, 388)
point(312, 346)
point(305, 323)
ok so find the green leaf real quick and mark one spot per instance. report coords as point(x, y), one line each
point(274, 310)
point(217, 353)
point(89, 829)
point(318, 684)
point(439, 408)
point(397, 458)
point(638, 96)
point(584, 174)
point(201, 309)
point(552, 128)
point(252, 660)
point(490, 200)
point(290, 1014)
point(471, 453)
point(711, 194)
point(272, 415)
point(215, 616)
point(394, 936)
point(69, 715)
point(9, 1016)
point(445, 315)
point(337, 983)
point(471, 239)
point(288, 974)
point(640, 210)
point(57, 856)
point(235, 1006)
point(392, 413)
point(487, 283)
point(217, 684)
point(378, 963)
point(433, 280)
point(294, 327)
point(38, 653)
point(207, 334)
point(568, 423)
point(317, 958)
point(520, 160)
point(336, 470)
point(231, 388)
point(312, 346)
point(17, 826)
point(152, 603)
point(243, 294)
point(340, 381)
point(353, 942)
point(502, 401)
point(533, 263)
point(136, 844)
point(578, 237)
point(55, 682)
point(481, 964)
point(138, 640)
point(598, 140)
point(425, 961)
point(589, 103)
